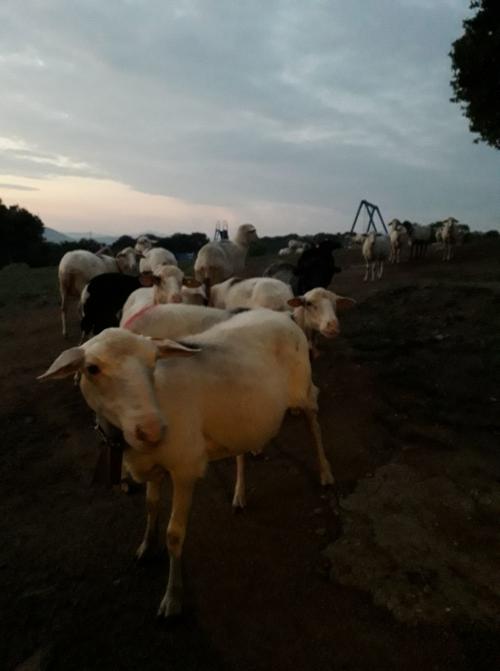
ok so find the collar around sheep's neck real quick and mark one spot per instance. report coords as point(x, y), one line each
point(136, 315)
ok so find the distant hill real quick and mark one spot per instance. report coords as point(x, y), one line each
point(107, 239)
point(51, 235)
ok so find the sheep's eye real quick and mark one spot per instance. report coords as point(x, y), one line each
point(309, 304)
point(93, 369)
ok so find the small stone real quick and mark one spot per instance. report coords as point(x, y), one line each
point(318, 511)
point(320, 532)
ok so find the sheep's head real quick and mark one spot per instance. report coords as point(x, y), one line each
point(167, 281)
point(143, 244)
point(247, 233)
point(117, 369)
point(395, 225)
point(127, 261)
point(317, 310)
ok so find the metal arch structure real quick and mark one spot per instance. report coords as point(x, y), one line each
point(371, 210)
point(221, 231)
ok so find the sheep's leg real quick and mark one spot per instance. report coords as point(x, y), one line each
point(206, 285)
point(239, 498)
point(367, 272)
point(380, 269)
point(64, 308)
point(325, 472)
point(150, 543)
point(374, 263)
point(171, 603)
point(311, 413)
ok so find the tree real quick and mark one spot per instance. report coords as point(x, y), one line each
point(122, 242)
point(21, 235)
point(476, 71)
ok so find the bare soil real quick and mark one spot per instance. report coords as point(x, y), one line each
point(404, 575)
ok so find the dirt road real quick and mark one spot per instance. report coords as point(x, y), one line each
point(406, 577)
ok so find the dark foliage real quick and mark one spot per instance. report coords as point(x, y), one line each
point(21, 236)
point(476, 71)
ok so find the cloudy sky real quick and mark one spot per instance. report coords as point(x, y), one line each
point(167, 115)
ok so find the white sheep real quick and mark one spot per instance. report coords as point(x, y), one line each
point(180, 405)
point(255, 292)
point(396, 237)
point(449, 235)
point(216, 261)
point(285, 251)
point(79, 266)
point(376, 249)
point(315, 311)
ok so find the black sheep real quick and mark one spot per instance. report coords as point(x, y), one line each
point(105, 296)
point(315, 268)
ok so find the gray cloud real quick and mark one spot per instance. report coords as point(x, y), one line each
point(291, 104)
point(17, 187)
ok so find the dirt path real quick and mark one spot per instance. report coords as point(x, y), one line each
point(287, 584)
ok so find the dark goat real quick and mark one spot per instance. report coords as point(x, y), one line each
point(105, 297)
point(315, 268)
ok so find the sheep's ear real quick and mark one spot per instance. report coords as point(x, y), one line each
point(191, 282)
point(67, 363)
point(296, 302)
point(344, 303)
point(169, 348)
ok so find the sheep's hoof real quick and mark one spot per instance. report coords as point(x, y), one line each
point(148, 552)
point(239, 503)
point(170, 608)
point(327, 478)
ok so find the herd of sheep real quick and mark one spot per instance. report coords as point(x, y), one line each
point(186, 370)
point(377, 249)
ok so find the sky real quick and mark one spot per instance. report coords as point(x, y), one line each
point(128, 116)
